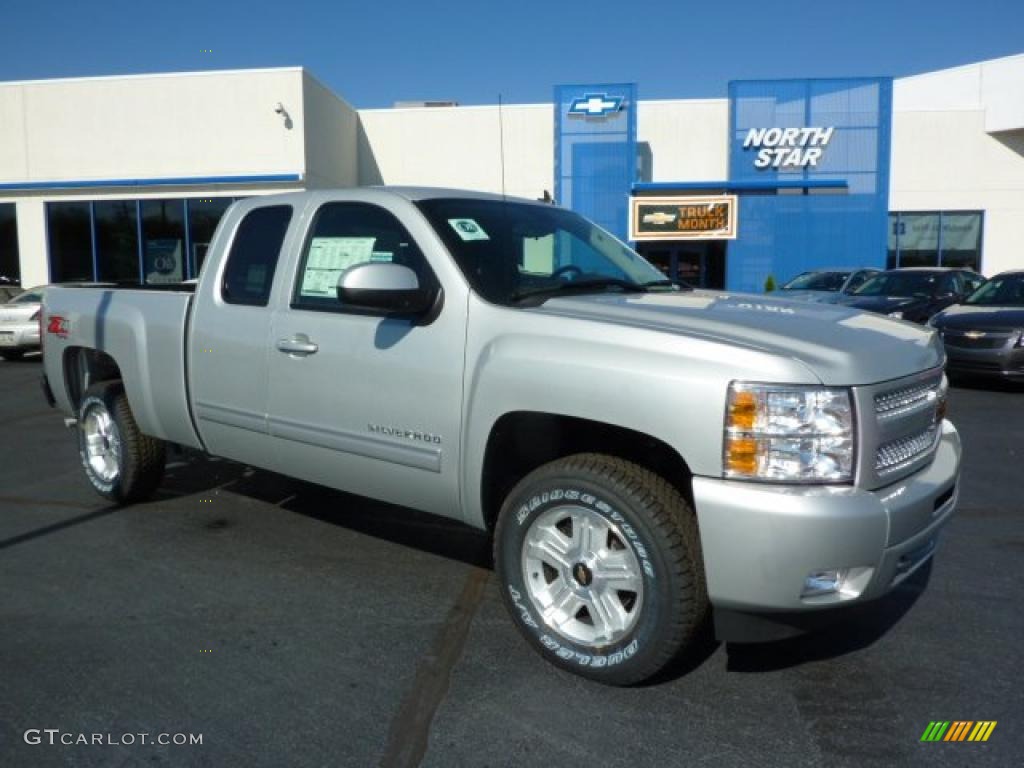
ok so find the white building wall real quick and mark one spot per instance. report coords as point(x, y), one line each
point(165, 126)
point(688, 138)
point(330, 137)
point(146, 126)
point(460, 147)
point(946, 155)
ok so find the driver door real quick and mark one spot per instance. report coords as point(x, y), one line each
point(358, 400)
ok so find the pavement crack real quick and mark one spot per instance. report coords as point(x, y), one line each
point(410, 729)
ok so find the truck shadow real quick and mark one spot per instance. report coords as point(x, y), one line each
point(855, 629)
point(193, 473)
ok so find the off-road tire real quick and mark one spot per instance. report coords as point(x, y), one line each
point(658, 525)
point(141, 463)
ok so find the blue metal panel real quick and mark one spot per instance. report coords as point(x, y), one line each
point(738, 186)
point(159, 182)
point(595, 151)
point(794, 229)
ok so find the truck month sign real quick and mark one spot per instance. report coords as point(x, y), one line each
point(683, 218)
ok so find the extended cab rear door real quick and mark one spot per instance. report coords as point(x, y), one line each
point(230, 329)
point(357, 400)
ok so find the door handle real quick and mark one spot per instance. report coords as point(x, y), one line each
point(298, 344)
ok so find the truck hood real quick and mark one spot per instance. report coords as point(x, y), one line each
point(842, 346)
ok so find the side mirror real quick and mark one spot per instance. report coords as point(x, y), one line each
point(384, 287)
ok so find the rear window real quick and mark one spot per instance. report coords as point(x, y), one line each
point(252, 261)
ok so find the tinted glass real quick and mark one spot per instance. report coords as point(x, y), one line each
point(1001, 290)
point(816, 281)
point(249, 273)
point(348, 234)
point(203, 216)
point(31, 296)
point(902, 284)
point(509, 251)
point(857, 281)
point(163, 241)
point(961, 240)
point(70, 239)
point(117, 241)
point(10, 265)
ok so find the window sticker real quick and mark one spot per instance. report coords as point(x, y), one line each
point(468, 229)
point(328, 258)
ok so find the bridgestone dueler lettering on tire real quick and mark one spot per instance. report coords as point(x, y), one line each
point(600, 566)
point(122, 464)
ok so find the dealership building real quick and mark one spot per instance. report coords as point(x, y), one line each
point(124, 178)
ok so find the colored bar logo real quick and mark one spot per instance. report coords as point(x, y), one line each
point(958, 730)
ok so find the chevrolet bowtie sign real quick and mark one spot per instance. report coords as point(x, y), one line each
point(595, 105)
point(683, 218)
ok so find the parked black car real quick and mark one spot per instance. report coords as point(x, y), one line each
point(914, 293)
point(985, 335)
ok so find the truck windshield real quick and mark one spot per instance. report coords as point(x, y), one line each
point(516, 252)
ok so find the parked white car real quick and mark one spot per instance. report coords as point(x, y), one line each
point(19, 323)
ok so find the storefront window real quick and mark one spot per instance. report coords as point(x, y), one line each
point(203, 215)
point(70, 238)
point(163, 241)
point(117, 241)
point(10, 266)
point(948, 239)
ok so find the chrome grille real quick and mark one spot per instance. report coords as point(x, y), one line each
point(899, 429)
point(898, 402)
point(897, 454)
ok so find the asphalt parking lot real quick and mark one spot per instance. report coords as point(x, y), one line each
point(291, 625)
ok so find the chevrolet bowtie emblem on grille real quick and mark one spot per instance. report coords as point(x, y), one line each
point(974, 334)
point(595, 105)
point(659, 218)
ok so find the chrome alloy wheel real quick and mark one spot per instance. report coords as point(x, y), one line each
point(582, 575)
point(102, 443)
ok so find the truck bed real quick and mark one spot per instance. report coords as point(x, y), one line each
point(143, 328)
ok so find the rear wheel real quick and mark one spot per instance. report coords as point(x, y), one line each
point(122, 464)
point(600, 567)
point(12, 354)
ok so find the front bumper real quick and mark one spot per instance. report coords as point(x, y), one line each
point(19, 336)
point(761, 541)
point(1005, 363)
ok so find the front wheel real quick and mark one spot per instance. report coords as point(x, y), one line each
point(600, 566)
point(122, 464)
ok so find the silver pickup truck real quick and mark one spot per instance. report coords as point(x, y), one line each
point(641, 451)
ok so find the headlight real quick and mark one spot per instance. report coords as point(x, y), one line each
point(897, 314)
point(788, 433)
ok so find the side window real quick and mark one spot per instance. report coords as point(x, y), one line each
point(974, 282)
point(343, 236)
point(249, 273)
point(951, 283)
point(857, 281)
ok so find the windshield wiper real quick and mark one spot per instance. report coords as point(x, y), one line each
point(591, 284)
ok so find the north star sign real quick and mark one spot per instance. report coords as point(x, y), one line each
point(595, 105)
point(788, 147)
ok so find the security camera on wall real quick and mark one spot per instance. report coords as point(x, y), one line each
point(279, 108)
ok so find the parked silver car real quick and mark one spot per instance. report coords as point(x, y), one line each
point(825, 286)
point(984, 336)
point(19, 323)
